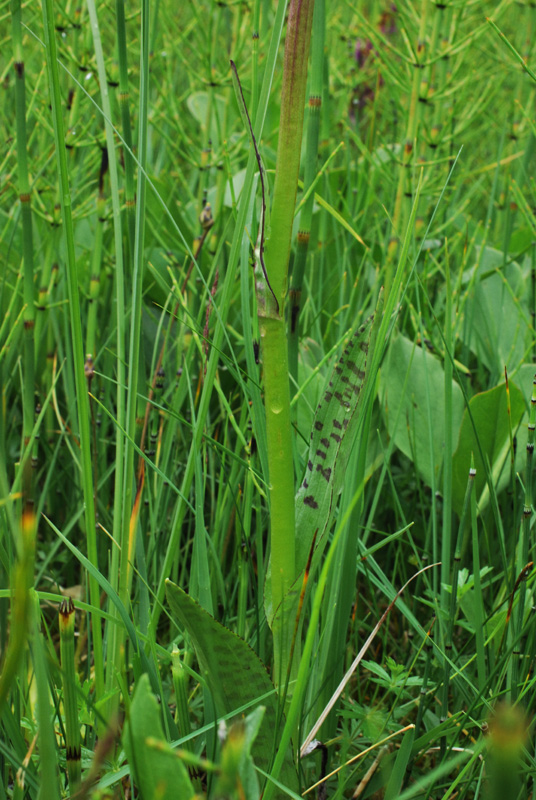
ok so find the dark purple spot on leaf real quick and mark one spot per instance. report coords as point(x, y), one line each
point(328, 396)
point(337, 424)
point(355, 369)
point(310, 501)
point(324, 442)
point(319, 425)
point(321, 454)
point(342, 401)
point(326, 473)
point(335, 436)
point(309, 465)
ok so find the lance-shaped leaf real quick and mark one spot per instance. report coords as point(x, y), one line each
point(235, 675)
point(335, 428)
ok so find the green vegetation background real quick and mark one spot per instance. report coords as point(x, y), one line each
point(133, 446)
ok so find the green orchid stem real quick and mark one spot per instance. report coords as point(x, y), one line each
point(272, 327)
point(280, 464)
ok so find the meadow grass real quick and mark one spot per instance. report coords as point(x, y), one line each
point(155, 431)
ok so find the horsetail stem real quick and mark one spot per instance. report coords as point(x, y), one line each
point(404, 192)
point(96, 261)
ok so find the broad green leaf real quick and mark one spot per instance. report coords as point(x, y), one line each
point(521, 240)
point(333, 435)
point(412, 387)
point(234, 673)
point(490, 415)
point(157, 770)
point(495, 329)
point(199, 105)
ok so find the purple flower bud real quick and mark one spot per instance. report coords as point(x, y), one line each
point(387, 24)
point(362, 50)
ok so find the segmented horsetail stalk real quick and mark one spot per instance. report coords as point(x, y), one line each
point(70, 705)
point(96, 260)
point(405, 190)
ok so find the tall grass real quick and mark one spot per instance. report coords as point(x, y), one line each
point(135, 446)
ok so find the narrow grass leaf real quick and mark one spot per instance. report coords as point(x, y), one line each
point(398, 773)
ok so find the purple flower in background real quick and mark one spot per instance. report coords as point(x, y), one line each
point(387, 23)
point(362, 50)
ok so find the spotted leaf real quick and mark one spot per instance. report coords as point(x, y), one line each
point(235, 675)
